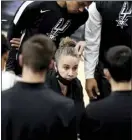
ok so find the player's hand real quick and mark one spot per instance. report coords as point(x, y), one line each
point(15, 42)
point(92, 88)
point(80, 47)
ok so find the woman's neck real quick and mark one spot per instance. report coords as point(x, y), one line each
point(63, 88)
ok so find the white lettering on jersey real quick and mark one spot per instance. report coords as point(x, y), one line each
point(60, 27)
point(125, 12)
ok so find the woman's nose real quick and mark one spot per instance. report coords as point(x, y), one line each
point(70, 73)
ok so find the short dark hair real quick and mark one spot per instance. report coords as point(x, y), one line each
point(37, 52)
point(5, 45)
point(119, 63)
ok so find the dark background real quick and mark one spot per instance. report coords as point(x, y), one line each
point(8, 9)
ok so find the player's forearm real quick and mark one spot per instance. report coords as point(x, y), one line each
point(90, 62)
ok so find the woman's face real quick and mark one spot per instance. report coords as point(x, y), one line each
point(68, 67)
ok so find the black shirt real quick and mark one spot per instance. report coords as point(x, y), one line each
point(45, 17)
point(75, 92)
point(34, 112)
point(109, 119)
point(116, 25)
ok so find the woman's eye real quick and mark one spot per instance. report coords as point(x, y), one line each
point(75, 68)
point(66, 68)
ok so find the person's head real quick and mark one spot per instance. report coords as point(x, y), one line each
point(67, 60)
point(5, 47)
point(119, 64)
point(37, 53)
point(75, 6)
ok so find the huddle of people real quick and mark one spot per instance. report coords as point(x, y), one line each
point(48, 103)
point(42, 97)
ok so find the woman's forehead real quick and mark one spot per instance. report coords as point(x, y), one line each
point(66, 59)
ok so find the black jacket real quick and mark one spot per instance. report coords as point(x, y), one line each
point(42, 17)
point(75, 92)
point(116, 25)
point(34, 112)
point(45, 17)
point(108, 119)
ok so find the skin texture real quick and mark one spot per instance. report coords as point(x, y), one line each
point(74, 6)
point(15, 42)
point(90, 86)
point(68, 67)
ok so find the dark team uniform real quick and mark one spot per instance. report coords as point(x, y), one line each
point(43, 17)
point(31, 111)
point(75, 92)
point(109, 119)
point(109, 24)
point(117, 27)
point(116, 30)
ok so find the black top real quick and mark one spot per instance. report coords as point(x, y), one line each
point(34, 112)
point(109, 119)
point(116, 25)
point(75, 92)
point(45, 17)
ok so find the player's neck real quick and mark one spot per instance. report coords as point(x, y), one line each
point(61, 3)
point(122, 86)
point(29, 76)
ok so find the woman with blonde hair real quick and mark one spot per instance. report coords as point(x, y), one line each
point(64, 79)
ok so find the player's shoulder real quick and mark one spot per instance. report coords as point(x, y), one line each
point(103, 3)
point(107, 4)
point(62, 107)
point(6, 96)
point(40, 4)
point(61, 104)
point(98, 108)
point(59, 99)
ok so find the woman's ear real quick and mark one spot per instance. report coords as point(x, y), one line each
point(21, 60)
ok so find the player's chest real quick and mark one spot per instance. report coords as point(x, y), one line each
point(56, 23)
point(120, 15)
